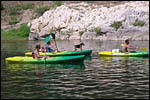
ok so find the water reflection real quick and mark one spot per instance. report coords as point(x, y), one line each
point(98, 78)
point(28, 67)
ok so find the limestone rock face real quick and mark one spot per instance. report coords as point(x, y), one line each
point(74, 18)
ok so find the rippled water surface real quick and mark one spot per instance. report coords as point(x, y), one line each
point(98, 77)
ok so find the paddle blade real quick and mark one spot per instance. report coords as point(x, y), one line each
point(143, 49)
point(122, 45)
point(53, 35)
point(47, 39)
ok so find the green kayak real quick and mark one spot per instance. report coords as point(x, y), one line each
point(65, 53)
point(121, 54)
point(52, 60)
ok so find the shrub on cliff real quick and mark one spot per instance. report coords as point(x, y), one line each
point(14, 20)
point(58, 3)
point(2, 7)
point(97, 30)
point(25, 6)
point(138, 23)
point(116, 25)
point(40, 10)
point(14, 11)
point(81, 33)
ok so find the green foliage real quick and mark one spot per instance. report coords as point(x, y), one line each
point(97, 30)
point(59, 29)
point(14, 11)
point(81, 33)
point(2, 7)
point(40, 10)
point(58, 3)
point(117, 25)
point(25, 6)
point(24, 30)
point(14, 20)
point(18, 9)
point(138, 23)
point(16, 34)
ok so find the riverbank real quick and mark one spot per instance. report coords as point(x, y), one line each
point(20, 33)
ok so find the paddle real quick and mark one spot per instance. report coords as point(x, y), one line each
point(47, 38)
point(53, 36)
point(142, 48)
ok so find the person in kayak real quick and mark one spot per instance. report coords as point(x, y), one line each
point(42, 49)
point(126, 46)
point(36, 54)
point(78, 46)
point(48, 47)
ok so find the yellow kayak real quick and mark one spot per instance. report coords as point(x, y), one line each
point(121, 54)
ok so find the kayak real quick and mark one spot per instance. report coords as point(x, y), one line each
point(65, 53)
point(121, 54)
point(52, 60)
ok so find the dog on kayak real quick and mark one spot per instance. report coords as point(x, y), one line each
point(78, 46)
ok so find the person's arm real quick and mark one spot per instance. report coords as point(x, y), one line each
point(130, 47)
point(38, 55)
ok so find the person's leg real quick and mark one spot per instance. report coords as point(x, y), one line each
point(75, 49)
point(47, 57)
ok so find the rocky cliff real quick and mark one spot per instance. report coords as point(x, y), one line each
point(80, 21)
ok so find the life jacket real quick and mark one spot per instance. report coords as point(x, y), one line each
point(43, 50)
point(48, 49)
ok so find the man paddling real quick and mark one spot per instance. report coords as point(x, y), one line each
point(126, 46)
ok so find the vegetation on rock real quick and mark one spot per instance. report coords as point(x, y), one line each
point(97, 30)
point(14, 20)
point(116, 25)
point(2, 7)
point(138, 23)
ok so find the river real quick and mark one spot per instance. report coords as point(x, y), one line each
point(98, 78)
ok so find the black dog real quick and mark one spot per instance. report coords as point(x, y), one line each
point(78, 46)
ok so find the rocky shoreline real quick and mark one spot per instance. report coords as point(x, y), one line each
point(79, 20)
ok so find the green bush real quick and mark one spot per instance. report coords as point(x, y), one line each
point(116, 25)
point(41, 10)
point(138, 23)
point(81, 33)
point(26, 6)
point(2, 7)
point(13, 11)
point(58, 3)
point(23, 31)
point(17, 9)
point(16, 34)
point(13, 20)
point(97, 30)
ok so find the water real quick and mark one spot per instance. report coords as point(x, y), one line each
point(98, 78)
